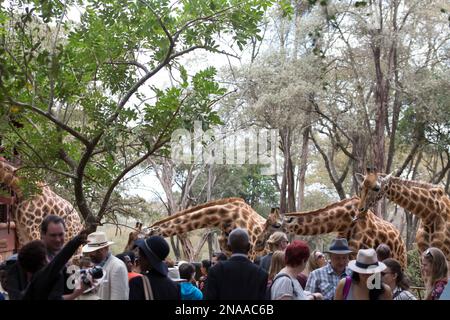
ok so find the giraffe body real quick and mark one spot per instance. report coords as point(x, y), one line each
point(427, 201)
point(28, 214)
point(225, 214)
point(363, 233)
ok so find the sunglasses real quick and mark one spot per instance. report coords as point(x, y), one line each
point(428, 253)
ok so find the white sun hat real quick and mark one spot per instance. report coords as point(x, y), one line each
point(96, 241)
point(366, 262)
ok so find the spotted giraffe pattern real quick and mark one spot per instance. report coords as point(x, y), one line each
point(133, 236)
point(28, 214)
point(427, 201)
point(363, 233)
point(225, 214)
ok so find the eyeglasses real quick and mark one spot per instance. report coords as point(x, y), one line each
point(428, 253)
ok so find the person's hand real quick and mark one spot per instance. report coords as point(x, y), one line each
point(317, 296)
point(79, 290)
point(83, 234)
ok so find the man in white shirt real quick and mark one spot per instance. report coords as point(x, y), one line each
point(114, 284)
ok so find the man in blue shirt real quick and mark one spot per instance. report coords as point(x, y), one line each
point(324, 280)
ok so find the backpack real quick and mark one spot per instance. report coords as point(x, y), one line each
point(269, 288)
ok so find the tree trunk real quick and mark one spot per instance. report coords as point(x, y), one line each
point(291, 186)
point(359, 148)
point(283, 187)
point(175, 249)
point(302, 168)
point(208, 198)
point(381, 95)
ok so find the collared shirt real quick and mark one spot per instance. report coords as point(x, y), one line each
point(400, 294)
point(325, 280)
point(239, 255)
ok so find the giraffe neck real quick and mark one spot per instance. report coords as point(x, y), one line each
point(417, 199)
point(224, 216)
point(8, 178)
point(333, 218)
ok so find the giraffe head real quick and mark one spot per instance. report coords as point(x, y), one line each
point(373, 188)
point(152, 231)
point(273, 223)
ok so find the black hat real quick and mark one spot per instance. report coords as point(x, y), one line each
point(156, 250)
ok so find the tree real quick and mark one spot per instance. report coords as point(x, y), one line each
point(91, 95)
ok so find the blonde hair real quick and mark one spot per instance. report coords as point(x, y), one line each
point(275, 239)
point(276, 264)
point(312, 261)
point(439, 268)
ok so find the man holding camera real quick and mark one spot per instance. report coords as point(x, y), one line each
point(114, 283)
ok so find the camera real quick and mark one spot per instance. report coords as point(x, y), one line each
point(91, 273)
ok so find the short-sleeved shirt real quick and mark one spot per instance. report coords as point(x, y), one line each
point(287, 285)
point(325, 280)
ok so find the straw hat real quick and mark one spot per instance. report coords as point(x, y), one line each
point(96, 241)
point(366, 262)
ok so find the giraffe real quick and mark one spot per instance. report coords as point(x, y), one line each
point(133, 236)
point(427, 201)
point(363, 233)
point(225, 214)
point(28, 214)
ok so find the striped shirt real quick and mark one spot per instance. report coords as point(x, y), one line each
point(325, 280)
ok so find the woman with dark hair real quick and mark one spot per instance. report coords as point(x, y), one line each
point(394, 277)
point(46, 278)
point(285, 285)
point(434, 271)
point(365, 282)
point(204, 269)
point(217, 257)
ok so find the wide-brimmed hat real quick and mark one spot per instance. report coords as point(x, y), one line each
point(96, 240)
point(339, 246)
point(366, 262)
point(156, 250)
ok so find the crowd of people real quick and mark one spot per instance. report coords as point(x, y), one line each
point(47, 269)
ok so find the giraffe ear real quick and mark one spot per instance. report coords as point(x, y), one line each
point(359, 178)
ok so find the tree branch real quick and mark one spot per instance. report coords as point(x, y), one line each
point(133, 63)
point(44, 165)
point(50, 117)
